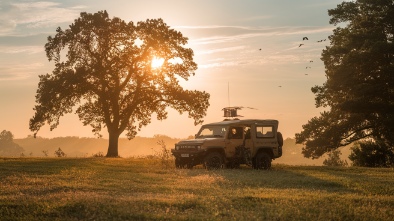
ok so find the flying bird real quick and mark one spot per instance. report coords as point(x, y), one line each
point(301, 45)
point(260, 49)
point(305, 38)
point(307, 67)
point(310, 61)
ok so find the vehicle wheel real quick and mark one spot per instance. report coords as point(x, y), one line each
point(213, 161)
point(233, 165)
point(179, 164)
point(280, 139)
point(263, 161)
point(189, 166)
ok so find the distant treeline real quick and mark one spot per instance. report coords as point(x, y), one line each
point(87, 147)
point(140, 146)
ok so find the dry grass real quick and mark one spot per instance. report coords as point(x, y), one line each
point(141, 189)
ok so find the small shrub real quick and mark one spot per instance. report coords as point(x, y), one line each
point(334, 159)
point(99, 154)
point(60, 153)
point(164, 155)
point(45, 152)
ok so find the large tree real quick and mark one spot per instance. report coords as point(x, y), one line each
point(107, 74)
point(7, 145)
point(359, 92)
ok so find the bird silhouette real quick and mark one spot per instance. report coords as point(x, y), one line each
point(305, 38)
point(310, 61)
point(260, 49)
point(307, 67)
point(301, 45)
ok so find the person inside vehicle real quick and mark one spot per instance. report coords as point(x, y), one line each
point(236, 133)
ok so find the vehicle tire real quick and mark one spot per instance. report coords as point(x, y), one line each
point(280, 139)
point(179, 163)
point(213, 161)
point(233, 165)
point(263, 161)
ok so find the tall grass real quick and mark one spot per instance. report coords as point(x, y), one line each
point(142, 189)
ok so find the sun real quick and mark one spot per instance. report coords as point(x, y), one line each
point(157, 62)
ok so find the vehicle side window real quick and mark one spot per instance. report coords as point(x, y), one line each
point(235, 133)
point(247, 133)
point(264, 132)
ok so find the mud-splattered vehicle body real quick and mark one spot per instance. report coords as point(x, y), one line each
point(231, 143)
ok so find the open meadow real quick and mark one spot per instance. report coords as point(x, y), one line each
point(149, 189)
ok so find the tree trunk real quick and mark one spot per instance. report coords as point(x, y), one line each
point(113, 144)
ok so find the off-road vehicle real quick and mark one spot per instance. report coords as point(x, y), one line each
point(230, 143)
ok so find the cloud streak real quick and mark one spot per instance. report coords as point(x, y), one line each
point(222, 34)
point(16, 16)
point(21, 49)
point(19, 71)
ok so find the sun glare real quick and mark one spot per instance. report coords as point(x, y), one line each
point(157, 62)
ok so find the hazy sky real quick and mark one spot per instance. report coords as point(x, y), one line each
point(225, 35)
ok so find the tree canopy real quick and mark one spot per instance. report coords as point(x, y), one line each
point(359, 92)
point(107, 74)
point(7, 145)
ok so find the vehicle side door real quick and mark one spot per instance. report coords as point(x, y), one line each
point(234, 138)
point(264, 138)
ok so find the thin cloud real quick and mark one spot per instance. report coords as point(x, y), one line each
point(19, 15)
point(21, 49)
point(13, 77)
point(19, 71)
point(211, 51)
point(229, 36)
point(257, 18)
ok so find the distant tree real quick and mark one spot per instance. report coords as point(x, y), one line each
point(60, 153)
point(45, 152)
point(6, 136)
point(372, 154)
point(334, 159)
point(358, 94)
point(109, 74)
point(7, 145)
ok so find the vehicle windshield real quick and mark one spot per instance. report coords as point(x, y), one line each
point(211, 131)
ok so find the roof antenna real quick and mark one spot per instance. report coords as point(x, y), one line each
point(228, 92)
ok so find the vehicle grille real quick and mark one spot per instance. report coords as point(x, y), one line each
point(187, 147)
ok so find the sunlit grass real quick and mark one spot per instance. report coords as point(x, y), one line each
point(135, 188)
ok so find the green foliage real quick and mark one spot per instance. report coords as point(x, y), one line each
point(372, 154)
point(358, 93)
point(7, 146)
point(109, 78)
point(334, 159)
point(139, 189)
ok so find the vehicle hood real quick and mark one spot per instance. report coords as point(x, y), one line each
point(196, 141)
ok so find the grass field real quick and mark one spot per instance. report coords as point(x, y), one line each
point(142, 189)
